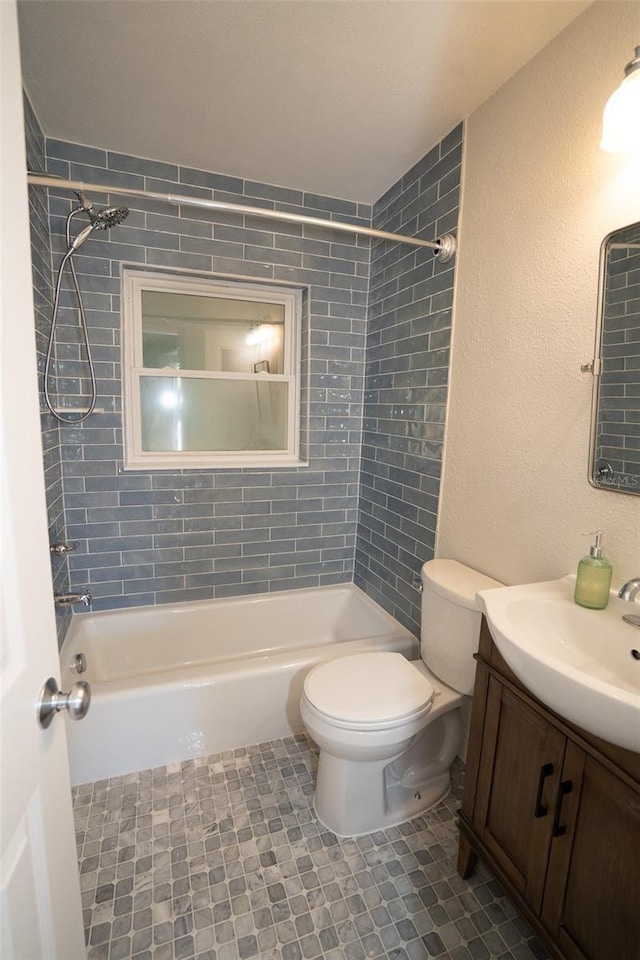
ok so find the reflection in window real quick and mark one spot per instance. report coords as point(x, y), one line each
point(186, 332)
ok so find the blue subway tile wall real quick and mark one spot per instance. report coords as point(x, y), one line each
point(408, 340)
point(154, 537)
point(43, 300)
point(162, 537)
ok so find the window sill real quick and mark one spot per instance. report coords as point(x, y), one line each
point(222, 462)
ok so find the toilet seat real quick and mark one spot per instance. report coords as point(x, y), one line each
point(368, 691)
point(372, 728)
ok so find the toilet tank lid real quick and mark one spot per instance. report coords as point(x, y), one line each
point(456, 582)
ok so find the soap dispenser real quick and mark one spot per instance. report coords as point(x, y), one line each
point(594, 578)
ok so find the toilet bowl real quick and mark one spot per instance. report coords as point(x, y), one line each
point(389, 728)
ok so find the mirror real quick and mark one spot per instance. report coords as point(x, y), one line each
point(614, 461)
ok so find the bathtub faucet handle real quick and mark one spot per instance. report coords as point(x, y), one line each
point(71, 599)
point(62, 549)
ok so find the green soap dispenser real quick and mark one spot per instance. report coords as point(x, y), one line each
point(594, 578)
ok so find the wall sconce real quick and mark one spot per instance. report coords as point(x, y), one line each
point(621, 119)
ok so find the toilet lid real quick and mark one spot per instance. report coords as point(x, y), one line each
point(368, 687)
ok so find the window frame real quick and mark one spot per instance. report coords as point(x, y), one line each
point(134, 282)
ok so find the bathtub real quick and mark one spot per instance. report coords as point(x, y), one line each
point(170, 683)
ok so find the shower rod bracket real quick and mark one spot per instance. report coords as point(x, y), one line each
point(594, 367)
point(444, 247)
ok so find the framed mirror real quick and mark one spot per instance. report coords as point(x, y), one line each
point(614, 456)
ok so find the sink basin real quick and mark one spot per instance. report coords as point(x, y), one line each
point(578, 662)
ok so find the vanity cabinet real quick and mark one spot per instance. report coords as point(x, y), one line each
point(555, 814)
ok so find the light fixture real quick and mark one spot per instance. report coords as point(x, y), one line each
point(621, 119)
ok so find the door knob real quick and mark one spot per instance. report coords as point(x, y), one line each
point(52, 701)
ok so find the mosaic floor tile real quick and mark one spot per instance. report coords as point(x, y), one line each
point(223, 858)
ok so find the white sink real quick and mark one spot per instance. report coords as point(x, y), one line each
point(576, 661)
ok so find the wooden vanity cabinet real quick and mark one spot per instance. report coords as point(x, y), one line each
point(555, 814)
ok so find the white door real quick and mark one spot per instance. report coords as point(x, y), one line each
point(39, 889)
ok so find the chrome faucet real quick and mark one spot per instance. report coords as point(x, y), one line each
point(71, 599)
point(630, 589)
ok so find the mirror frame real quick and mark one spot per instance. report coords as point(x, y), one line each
point(595, 367)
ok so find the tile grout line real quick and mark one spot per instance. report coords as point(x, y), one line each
point(223, 858)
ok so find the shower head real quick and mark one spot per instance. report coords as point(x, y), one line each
point(109, 217)
point(100, 219)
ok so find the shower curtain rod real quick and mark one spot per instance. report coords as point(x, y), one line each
point(443, 247)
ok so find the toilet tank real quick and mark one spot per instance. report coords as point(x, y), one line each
point(451, 621)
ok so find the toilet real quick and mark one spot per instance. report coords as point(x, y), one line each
point(389, 728)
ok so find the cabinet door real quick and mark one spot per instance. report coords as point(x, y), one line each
point(519, 772)
point(592, 899)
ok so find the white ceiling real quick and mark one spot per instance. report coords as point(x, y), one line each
point(338, 97)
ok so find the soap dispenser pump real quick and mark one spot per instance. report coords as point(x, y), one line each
point(594, 578)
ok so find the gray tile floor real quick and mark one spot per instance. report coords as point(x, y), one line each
point(222, 858)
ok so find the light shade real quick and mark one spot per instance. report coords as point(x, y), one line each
point(621, 119)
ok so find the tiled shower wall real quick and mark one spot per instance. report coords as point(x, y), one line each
point(153, 537)
point(408, 340)
point(43, 302)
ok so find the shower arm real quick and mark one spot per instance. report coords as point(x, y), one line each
point(443, 247)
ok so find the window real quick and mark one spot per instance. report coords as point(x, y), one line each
point(211, 373)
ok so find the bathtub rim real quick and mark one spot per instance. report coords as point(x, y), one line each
point(74, 637)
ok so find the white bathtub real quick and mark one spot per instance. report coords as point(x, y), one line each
point(171, 683)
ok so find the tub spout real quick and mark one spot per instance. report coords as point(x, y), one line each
point(71, 599)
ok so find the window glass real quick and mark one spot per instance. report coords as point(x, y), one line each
point(187, 332)
point(183, 414)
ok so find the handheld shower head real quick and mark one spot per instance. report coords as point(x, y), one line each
point(99, 220)
point(81, 237)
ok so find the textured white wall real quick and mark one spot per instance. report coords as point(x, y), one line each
point(538, 198)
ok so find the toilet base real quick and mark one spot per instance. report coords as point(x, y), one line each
point(358, 821)
point(409, 802)
point(358, 797)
